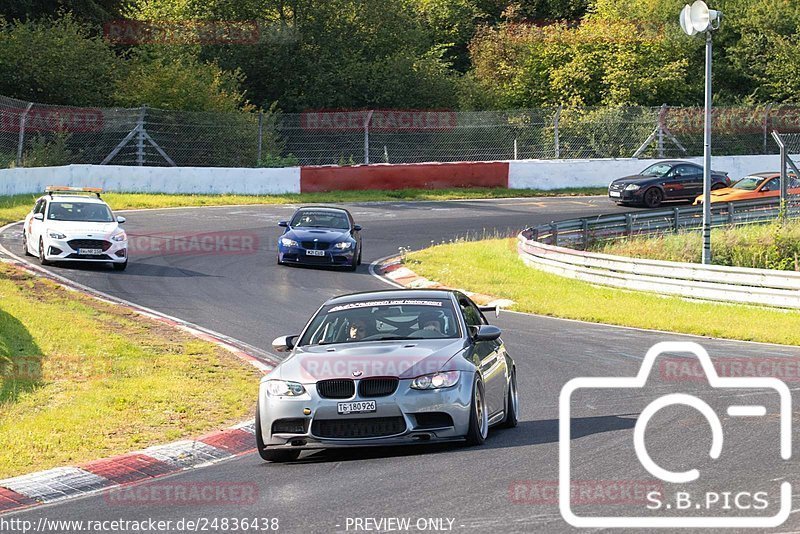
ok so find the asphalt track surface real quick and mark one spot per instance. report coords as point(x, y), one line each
point(508, 484)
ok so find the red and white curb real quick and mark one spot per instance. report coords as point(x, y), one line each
point(62, 483)
point(396, 273)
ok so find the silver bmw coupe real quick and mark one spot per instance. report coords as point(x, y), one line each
point(387, 368)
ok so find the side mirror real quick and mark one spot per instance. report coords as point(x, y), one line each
point(356, 227)
point(487, 332)
point(38, 216)
point(284, 224)
point(283, 343)
point(121, 219)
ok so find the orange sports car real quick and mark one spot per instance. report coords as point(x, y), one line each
point(752, 187)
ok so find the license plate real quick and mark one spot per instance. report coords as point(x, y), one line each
point(345, 408)
point(90, 251)
point(614, 194)
point(315, 252)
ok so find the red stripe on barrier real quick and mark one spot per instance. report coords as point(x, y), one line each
point(407, 176)
point(233, 441)
point(11, 500)
point(128, 468)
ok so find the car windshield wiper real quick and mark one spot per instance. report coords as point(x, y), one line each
point(386, 338)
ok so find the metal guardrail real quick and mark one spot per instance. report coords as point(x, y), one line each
point(539, 248)
point(582, 232)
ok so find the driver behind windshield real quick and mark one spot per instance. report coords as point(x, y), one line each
point(357, 330)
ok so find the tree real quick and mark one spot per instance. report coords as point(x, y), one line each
point(328, 54)
point(179, 83)
point(599, 62)
point(93, 12)
point(56, 61)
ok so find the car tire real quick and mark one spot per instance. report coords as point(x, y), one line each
point(478, 416)
point(512, 403)
point(272, 455)
point(120, 266)
point(359, 256)
point(25, 250)
point(41, 254)
point(353, 264)
point(653, 197)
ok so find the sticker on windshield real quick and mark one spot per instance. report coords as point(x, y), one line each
point(372, 303)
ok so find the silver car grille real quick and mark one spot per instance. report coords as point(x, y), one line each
point(337, 388)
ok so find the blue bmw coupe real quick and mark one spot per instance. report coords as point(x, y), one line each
point(320, 236)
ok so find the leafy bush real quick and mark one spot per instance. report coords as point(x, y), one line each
point(270, 160)
point(48, 152)
point(770, 246)
point(55, 61)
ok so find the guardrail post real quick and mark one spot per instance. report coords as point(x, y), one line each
point(140, 136)
point(554, 234)
point(731, 212)
point(628, 224)
point(585, 229)
point(766, 126)
point(367, 120)
point(21, 142)
point(260, 135)
point(676, 220)
point(556, 139)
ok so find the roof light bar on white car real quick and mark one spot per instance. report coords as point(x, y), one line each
point(62, 189)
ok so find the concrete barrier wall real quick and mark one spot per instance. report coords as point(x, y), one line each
point(405, 176)
point(555, 174)
point(210, 180)
point(526, 174)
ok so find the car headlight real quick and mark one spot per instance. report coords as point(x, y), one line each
point(444, 379)
point(282, 388)
point(119, 237)
point(286, 242)
point(56, 235)
point(343, 245)
point(632, 187)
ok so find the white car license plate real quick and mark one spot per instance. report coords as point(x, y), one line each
point(90, 251)
point(315, 252)
point(614, 194)
point(345, 408)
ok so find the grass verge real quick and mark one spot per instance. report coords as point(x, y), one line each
point(14, 208)
point(81, 379)
point(762, 246)
point(492, 267)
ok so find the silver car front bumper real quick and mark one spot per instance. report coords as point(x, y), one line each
point(405, 403)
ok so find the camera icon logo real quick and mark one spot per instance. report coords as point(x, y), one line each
point(717, 439)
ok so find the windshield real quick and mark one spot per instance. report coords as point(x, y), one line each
point(383, 320)
point(658, 169)
point(748, 183)
point(320, 219)
point(79, 211)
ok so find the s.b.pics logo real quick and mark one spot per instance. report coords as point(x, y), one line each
point(719, 448)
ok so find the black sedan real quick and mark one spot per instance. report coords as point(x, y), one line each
point(320, 236)
point(665, 180)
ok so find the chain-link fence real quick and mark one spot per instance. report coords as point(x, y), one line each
point(789, 184)
point(39, 134)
